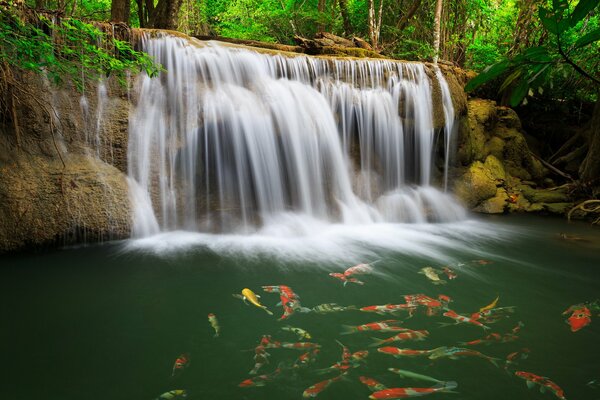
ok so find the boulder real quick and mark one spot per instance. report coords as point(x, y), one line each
point(475, 185)
point(495, 205)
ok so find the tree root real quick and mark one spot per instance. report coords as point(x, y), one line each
point(587, 207)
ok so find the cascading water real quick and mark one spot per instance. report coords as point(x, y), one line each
point(231, 140)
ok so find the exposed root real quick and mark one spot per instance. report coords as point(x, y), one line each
point(587, 207)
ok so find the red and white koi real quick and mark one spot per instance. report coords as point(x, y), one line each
point(345, 279)
point(432, 305)
point(181, 363)
point(402, 336)
point(514, 357)
point(493, 315)
point(260, 380)
point(397, 352)
point(581, 316)
point(372, 384)
point(449, 273)
point(261, 357)
point(318, 387)
point(405, 393)
point(390, 309)
point(381, 326)
point(306, 358)
point(497, 337)
point(349, 360)
point(531, 380)
point(360, 269)
point(455, 353)
point(462, 319)
point(300, 346)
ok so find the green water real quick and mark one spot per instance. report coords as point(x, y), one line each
point(104, 322)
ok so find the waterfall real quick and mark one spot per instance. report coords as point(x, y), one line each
point(229, 139)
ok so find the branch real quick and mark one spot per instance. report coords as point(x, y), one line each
point(403, 22)
point(571, 63)
point(552, 167)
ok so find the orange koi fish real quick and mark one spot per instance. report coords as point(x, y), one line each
point(497, 338)
point(260, 380)
point(545, 383)
point(381, 326)
point(300, 345)
point(397, 352)
point(390, 309)
point(402, 336)
point(372, 384)
point(449, 273)
point(181, 363)
point(512, 358)
point(461, 319)
point(432, 305)
point(345, 279)
point(306, 358)
point(580, 317)
point(493, 315)
point(405, 393)
point(317, 388)
point(454, 353)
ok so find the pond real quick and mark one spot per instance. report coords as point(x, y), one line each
point(108, 321)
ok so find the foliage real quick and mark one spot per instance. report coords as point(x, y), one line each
point(575, 44)
point(69, 50)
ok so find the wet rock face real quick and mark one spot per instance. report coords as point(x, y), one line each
point(499, 173)
point(62, 178)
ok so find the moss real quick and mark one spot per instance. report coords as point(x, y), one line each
point(475, 185)
point(558, 208)
point(495, 168)
point(543, 195)
point(495, 205)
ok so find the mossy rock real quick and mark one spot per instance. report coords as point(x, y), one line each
point(495, 147)
point(557, 208)
point(508, 117)
point(495, 167)
point(475, 185)
point(535, 208)
point(543, 195)
point(495, 205)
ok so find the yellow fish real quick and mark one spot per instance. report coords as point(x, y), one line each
point(252, 297)
point(490, 306)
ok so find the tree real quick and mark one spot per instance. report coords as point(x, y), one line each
point(529, 70)
point(436, 31)
point(120, 11)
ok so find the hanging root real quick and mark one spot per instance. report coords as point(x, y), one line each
point(587, 207)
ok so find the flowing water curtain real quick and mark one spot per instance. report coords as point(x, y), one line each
point(229, 139)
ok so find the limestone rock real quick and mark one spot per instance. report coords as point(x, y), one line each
point(475, 185)
point(495, 168)
point(543, 195)
point(494, 205)
point(481, 116)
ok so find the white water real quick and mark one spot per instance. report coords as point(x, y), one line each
point(233, 141)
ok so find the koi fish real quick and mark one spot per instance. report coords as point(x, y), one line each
point(496, 337)
point(454, 353)
point(381, 326)
point(360, 269)
point(493, 314)
point(482, 262)
point(349, 360)
point(249, 295)
point(328, 308)
point(372, 384)
point(345, 279)
point(404, 393)
point(402, 336)
point(289, 300)
point(181, 363)
point(261, 357)
point(212, 318)
point(461, 319)
point(413, 375)
point(301, 333)
point(318, 387)
point(260, 380)
point(397, 352)
point(390, 309)
point(300, 345)
point(531, 380)
point(306, 358)
point(269, 343)
point(449, 273)
point(172, 395)
point(594, 383)
point(580, 317)
point(432, 275)
point(511, 359)
point(432, 305)
point(491, 305)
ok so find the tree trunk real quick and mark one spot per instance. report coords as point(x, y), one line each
point(589, 171)
point(374, 23)
point(120, 11)
point(345, 17)
point(436, 31)
point(321, 8)
point(164, 15)
point(403, 22)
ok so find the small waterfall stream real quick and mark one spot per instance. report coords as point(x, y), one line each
point(229, 140)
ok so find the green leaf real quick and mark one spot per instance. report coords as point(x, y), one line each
point(518, 93)
point(487, 75)
point(587, 39)
point(510, 79)
point(549, 21)
point(581, 10)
